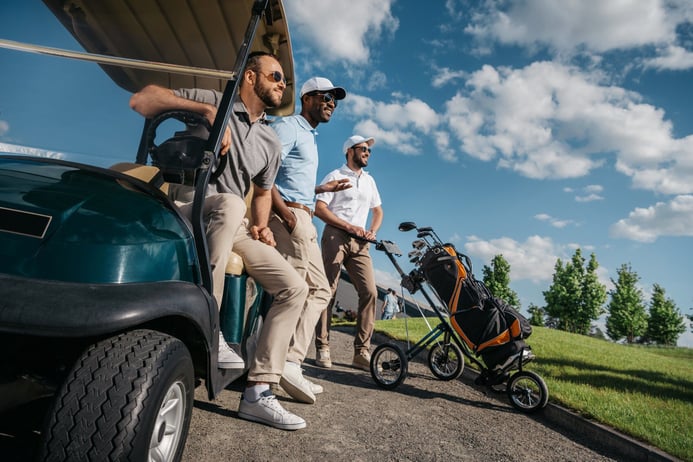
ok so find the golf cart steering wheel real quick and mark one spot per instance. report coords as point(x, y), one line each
point(181, 157)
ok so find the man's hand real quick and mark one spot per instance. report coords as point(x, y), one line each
point(333, 186)
point(263, 235)
point(211, 114)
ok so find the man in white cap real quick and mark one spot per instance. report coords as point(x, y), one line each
point(346, 216)
point(293, 198)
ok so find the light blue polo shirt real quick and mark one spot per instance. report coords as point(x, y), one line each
point(299, 168)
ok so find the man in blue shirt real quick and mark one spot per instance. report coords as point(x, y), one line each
point(293, 199)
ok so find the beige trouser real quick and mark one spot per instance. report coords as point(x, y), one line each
point(223, 215)
point(288, 289)
point(226, 230)
point(338, 249)
point(300, 248)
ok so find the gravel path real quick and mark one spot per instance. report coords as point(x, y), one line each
point(424, 419)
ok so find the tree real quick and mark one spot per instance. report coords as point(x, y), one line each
point(575, 297)
point(497, 279)
point(627, 316)
point(666, 322)
point(536, 315)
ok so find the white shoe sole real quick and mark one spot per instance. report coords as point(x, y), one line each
point(296, 392)
point(281, 426)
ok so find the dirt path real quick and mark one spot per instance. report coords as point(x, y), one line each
point(424, 419)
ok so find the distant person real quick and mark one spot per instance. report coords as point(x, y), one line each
point(293, 201)
point(253, 162)
point(390, 305)
point(345, 214)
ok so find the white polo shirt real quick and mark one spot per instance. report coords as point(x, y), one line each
point(351, 205)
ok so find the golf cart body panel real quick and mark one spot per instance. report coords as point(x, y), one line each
point(67, 223)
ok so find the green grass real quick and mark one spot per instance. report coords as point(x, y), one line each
point(644, 392)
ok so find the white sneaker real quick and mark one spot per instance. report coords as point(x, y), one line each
point(314, 387)
point(268, 411)
point(227, 358)
point(293, 382)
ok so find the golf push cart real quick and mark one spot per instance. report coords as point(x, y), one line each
point(106, 306)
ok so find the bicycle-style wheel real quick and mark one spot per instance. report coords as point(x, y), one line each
point(446, 360)
point(388, 365)
point(527, 391)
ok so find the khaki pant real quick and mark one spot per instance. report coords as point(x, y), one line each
point(265, 265)
point(338, 249)
point(300, 248)
point(223, 215)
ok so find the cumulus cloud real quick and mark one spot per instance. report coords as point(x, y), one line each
point(401, 125)
point(555, 222)
point(673, 218)
point(594, 26)
point(345, 30)
point(549, 120)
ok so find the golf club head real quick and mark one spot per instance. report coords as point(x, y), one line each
point(414, 253)
point(418, 244)
point(407, 226)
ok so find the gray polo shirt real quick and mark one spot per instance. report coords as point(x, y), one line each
point(255, 154)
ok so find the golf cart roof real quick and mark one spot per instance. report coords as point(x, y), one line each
point(200, 33)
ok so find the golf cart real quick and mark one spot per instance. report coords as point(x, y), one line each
point(106, 306)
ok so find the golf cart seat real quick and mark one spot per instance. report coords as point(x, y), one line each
point(146, 173)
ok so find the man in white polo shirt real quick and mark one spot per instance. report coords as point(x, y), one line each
point(346, 215)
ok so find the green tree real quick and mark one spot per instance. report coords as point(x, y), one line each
point(536, 315)
point(627, 316)
point(666, 322)
point(497, 279)
point(575, 297)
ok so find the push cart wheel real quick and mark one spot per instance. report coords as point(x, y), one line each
point(388, 366)
point(527, 391)
point(446, 360)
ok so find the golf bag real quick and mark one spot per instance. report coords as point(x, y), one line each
point(489, 326)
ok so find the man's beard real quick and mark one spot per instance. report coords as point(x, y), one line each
point(360, 162)
point(266, 95)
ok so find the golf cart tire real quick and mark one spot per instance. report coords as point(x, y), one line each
point(128, 397)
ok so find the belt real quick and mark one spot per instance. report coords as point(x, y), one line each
point(296, 205)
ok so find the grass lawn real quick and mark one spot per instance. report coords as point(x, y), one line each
point(644, 392)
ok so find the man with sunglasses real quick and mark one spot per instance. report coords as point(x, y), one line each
point(293, 198)
point(346, 215)
point(254, 153)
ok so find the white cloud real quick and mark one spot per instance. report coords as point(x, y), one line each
point(589, 193)
point(673, 218)
point(574, 25)
point(532, 260)
point(342, 31)
point(671, 57)
point(446, 75)
point(549, 120)
point(4, 127)
point(555, 222)
point(400, 125)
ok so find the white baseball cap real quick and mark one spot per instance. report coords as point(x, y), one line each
point(356, 139)
point(323, 85)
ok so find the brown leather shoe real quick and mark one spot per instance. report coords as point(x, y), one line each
point(322, 358)
point(362, 360)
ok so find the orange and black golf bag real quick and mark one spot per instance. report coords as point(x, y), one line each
point(489, 326)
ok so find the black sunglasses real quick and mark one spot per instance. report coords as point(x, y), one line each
point(326, 97)
point(362, 148)
point(276, 77)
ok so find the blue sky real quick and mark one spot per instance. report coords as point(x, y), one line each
point(527, 128)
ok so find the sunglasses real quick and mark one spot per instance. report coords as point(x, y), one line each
point(326, 97)
point(361, 148)
point(275, 77)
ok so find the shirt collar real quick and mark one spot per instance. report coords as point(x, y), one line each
point(304, 123)
point(240, 108)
